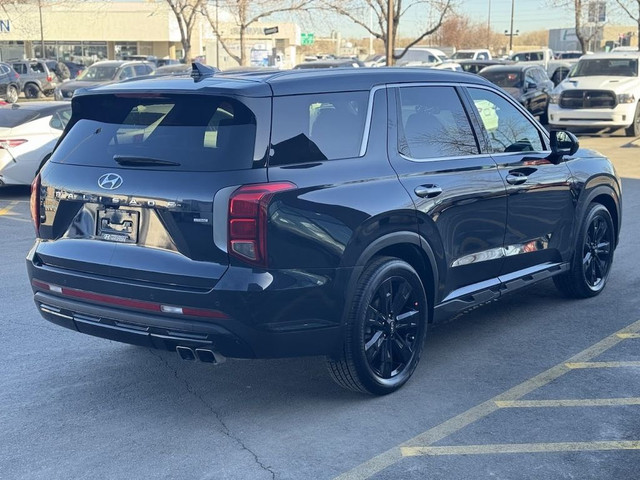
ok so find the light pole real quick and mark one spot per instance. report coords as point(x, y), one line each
point(390, 33)
point(489, 27)
point(510, 33)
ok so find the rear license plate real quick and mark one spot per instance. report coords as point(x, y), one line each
point(116, 225)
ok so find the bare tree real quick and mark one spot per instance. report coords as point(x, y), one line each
point(186, 13)
point(632, 8)
point(352, 9)
point(584, 33)
point(245, 13)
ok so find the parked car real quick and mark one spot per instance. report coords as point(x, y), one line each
point(73, 67)
point(601, 92)
point(329, 212)
point(557, 70)
point(36, 78)
point(420, 57)
point(101, 73)
point(475, 66)
point(337, 63)
point(472, 54)
point(528, 84)
point(375, 60)
point(9, 83)
point(28, 133)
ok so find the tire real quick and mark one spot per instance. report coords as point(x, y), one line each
point(544, 116)
point(12, 94)
point(633, 130)
point(592, 257)
point(387, 318)
point(31, 90)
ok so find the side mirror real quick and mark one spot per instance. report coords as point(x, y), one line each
point(531, 86)
point(563, 143)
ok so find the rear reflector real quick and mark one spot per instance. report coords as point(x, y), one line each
point(112, 300)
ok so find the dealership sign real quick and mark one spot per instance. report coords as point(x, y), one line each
point(5, 26)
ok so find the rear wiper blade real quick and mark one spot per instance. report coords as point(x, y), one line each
point(129, 160)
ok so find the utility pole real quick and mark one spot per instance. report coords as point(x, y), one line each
point(390, 33)
point(489, 27)
point(511, 31)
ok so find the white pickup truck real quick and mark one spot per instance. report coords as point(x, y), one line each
point(556, 69)
point(602, 91)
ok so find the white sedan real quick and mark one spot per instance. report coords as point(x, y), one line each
point(28, 134)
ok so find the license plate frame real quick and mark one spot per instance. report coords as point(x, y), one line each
point(117, 225)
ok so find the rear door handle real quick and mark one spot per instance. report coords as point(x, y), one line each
point(427, 191)
point(516, 178)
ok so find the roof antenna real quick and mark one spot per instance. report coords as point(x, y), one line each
point(200, 71)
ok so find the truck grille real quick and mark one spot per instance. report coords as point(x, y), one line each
point(587, 99)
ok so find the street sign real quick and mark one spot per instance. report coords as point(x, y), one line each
point(270, 30)
point(307, 38)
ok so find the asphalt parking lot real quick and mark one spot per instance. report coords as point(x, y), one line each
point(534, 386)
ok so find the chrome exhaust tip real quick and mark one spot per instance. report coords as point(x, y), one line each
point(209, 356)
point(186, 353)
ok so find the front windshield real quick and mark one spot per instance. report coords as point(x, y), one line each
point(462, 55)
point(503, 78)
point(609, 67)
point(98, 73)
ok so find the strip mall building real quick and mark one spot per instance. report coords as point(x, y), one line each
point(86, 32)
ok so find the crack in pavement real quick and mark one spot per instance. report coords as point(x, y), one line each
point(225, 429)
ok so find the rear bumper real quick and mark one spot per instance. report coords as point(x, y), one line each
point(293, 314)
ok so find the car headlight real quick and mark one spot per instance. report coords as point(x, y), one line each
point(626, 98)
point(554, 98)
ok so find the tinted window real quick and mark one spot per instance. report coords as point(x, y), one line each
point(98, 73)
point(434, 124)
point(614, 67)
point(60, 119)
point(503, 78)
point(141, 69)
point(509, 130)
point(21, 68)
point(196, 133)
point(308, 128)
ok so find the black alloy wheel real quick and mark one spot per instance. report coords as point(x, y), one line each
point(391, 327)
point(385, 331)
point(31, 90)
point(593, 255)
point(596, 252)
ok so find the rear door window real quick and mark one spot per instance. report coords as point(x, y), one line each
point(172, 132)
point(311, 128)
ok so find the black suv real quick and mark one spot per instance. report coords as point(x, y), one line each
point(326, 212)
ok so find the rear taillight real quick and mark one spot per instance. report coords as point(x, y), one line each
point(35, 203)
point(49, 78)
point(248, 207)
point(12, 142)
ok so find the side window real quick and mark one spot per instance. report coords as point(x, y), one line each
point(529, 77)
point(37, 67)
point(60, 119)
point(433, 124)
point(312, 128)
point(20, 68)
point(508, 129)
point(127, 72)
point(141, 70)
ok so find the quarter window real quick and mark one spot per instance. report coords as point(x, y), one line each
point(433, 124)
point(507, 128)
point(312, 128)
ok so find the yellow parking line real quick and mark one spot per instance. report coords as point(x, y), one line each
point(7, 210)
point(628, 335)
point(576, 365)
point(587, 402)
point(520, 448)
point(437, 433)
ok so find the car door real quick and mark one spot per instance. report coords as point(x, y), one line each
point(533, 96)
point(458, 193)
point(541, 205)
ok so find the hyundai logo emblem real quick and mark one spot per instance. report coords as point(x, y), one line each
point(110, 181)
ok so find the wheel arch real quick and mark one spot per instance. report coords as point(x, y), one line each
point(406, 246)
point(610, 199)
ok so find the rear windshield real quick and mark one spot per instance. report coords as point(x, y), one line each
point(611, 67)
point(98, 73)
point(173, 132)
point(504, 79)
point(12, 117)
